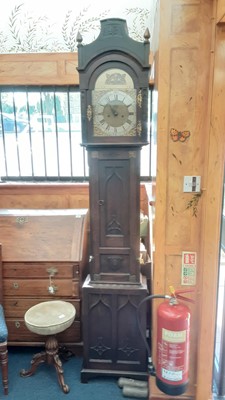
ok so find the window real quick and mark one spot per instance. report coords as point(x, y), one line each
point(40, 135)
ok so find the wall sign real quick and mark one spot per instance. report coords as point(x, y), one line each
point(188, 274)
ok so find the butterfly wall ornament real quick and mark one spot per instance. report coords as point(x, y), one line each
point(180, 136)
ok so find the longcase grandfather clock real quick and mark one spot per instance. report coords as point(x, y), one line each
point(114, 77)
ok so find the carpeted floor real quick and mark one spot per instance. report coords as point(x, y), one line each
point(43, 385)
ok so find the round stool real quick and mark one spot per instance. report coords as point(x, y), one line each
point(48, 319)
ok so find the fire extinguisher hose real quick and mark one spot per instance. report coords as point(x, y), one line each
point(151, 368)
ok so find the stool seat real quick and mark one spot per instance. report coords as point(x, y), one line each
point(50, 317)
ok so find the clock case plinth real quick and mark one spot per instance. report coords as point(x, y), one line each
point(113, 345)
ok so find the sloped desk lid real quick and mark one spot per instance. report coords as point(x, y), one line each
point(43, 235)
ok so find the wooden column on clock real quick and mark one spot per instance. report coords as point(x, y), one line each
point(113, 74)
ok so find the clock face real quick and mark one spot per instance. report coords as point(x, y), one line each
point(114, 104)
point(115, 113)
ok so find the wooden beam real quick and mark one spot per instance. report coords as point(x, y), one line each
point(40, 69)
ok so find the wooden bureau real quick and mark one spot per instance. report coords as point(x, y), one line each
point(44, 254)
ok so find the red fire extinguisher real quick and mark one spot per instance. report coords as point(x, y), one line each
point(173, 338)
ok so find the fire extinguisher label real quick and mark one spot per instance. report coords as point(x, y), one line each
point(171, 375)
point(174, 337)
point(171, 355)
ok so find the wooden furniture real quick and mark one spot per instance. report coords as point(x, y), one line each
point(114, 101)
point(49, 318)
point(3, 336)
point(44, 258)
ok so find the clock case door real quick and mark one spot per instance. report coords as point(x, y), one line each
point(115, 215)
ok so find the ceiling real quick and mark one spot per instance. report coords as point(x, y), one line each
point(29, 26)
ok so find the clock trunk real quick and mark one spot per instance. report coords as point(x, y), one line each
point(115, 215)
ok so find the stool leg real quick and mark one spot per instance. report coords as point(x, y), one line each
point(4, 365)
point(37, 359)
point(52, 348)
point(50, 356)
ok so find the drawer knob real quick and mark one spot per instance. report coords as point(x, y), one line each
point(15, 285)
point(77, 270)
point(17, 324)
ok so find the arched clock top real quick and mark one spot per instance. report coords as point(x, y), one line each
point(99, 64)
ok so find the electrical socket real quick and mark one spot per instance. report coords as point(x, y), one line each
point(192, 184)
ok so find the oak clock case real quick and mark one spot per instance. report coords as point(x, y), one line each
point(113, 72)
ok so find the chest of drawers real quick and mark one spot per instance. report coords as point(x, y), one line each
point(44, 256)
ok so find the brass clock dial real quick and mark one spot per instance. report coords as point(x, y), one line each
point(114, 104)
point(115, 114)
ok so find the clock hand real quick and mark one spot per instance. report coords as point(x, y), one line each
point(115, 113)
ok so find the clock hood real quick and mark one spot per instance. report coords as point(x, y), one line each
point(113, 37)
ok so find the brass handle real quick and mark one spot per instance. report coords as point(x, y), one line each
point(17, 324)
point(52, 289)
point(52, 271)
point(21, 220)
